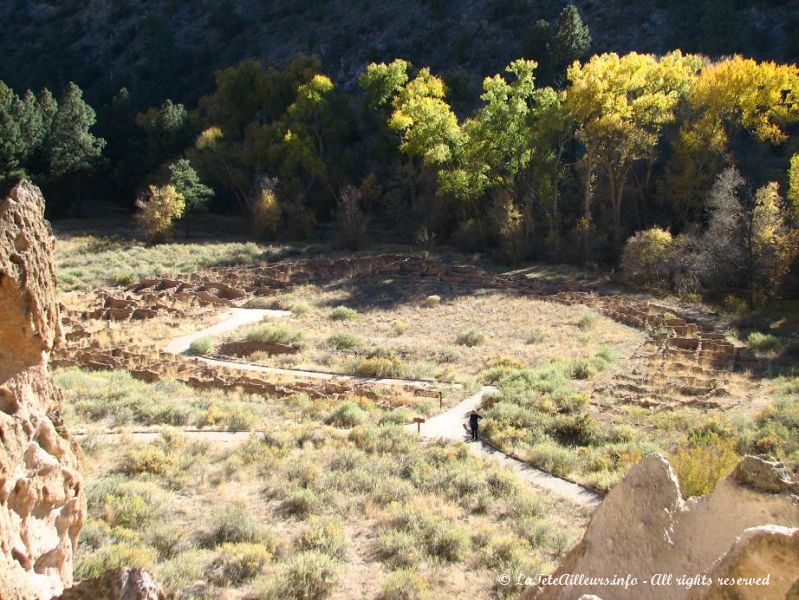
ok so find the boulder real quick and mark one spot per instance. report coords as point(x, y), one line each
point(746, 527)
point(42, 505)
point(116, 584)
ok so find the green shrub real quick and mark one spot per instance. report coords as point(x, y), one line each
point(229, 416)
point(326, 536)
point(236, 563)
point(699, 468)
point(129, 510)
point(583, 369)
point(504, 552)
point(470, 338)
point(343, 313)
point(112, 557)
point(236, 525)
point(577, 429)
point(168, 538)
point(399, 327)
point(432, 301)
point(375, 366)
point(148, 459)
point(343, 341)
point(398, 548)
point(645, 259)
point(551, 457)
point(275, 334)
point(301, 503)
point(347, 414)
point(446, 540)
point(95, 533)
point(405, 584)
point(182, 570)
point(299, 309)
point(587, 321)
point(763, 342)
point(309, 575)
point(734, 305)
point(202, 346)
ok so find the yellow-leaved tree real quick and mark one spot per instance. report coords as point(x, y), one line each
point(729, 97)
point(425, 121)
point(621, 104)
point(741, 93)
point(158, 211)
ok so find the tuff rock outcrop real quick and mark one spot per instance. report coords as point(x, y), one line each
point(746, 528)
point(42, 505)
point(116, 584)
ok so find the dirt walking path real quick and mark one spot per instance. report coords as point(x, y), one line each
point(447, 425)
point(450, 425)
point(238, 317)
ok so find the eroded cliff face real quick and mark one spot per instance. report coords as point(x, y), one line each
point(747, 528)
point(42, 506)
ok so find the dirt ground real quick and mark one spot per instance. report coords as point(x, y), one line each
point(427, 338)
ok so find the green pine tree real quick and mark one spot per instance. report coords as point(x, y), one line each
point(72, 147)
point(571, 41)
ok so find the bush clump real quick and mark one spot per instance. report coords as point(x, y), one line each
point(236, 525)
point(700, 466)
point(158, 211)
point(266, 215)
point(405, 584)
point(470, 338)
point(326, 536)
point(645, 259)
point(275, 334)
point(376, 366)
point(309, 575)
point(343, 313)
point(237, 562)
point(348, 414)
point(201, 346)
point(763, 342)
point(343, 341)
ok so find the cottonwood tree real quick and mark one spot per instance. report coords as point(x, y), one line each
point(381, 82)
point(314, 127)
point(157, 212)
point(512, 147)
point(743, 94)
point(730, 98)
point(427, 126)
point(621, 105)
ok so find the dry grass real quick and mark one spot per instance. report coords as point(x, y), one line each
point(457, 336)
point(312, 506)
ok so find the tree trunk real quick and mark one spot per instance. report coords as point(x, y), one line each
point(616, 198)
point(78, 199)
point(589, 192)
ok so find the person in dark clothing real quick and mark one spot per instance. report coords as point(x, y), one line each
point(474, 419)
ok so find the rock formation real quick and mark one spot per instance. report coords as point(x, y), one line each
point(116, 584)
point(42, 505)
point(645, 530)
